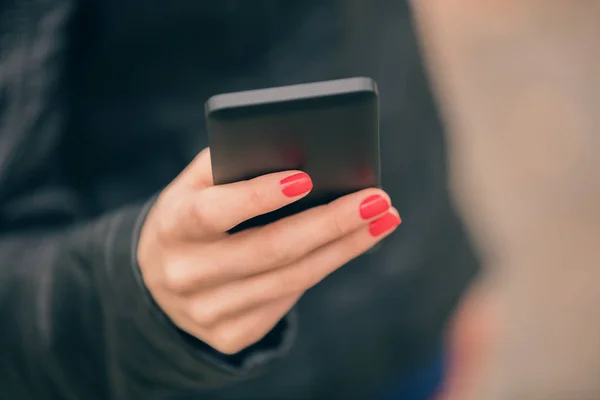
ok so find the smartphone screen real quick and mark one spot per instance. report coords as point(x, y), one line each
point(329, 130)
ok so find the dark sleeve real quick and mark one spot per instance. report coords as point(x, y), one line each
point(80, 320)
point(76, 320)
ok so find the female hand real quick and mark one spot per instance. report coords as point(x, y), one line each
point(230, 290)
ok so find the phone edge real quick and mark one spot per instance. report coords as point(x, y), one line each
point(303, 91)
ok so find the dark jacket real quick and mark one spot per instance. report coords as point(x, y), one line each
point(101, 105)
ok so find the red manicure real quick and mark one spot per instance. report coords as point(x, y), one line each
point(372, 206)
point(296, 185)
point(384, 224)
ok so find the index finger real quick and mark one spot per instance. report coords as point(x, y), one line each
point(217, 209)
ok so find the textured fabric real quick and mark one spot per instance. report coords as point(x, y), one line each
point(423, 382)
point(77, 320)
point(101, 107)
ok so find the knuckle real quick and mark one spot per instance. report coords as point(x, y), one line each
point(164, 215)
point(254, 196)
point(205, 314)
point(202, 210)
point(337, 224)
point(286, 281)
point(165, 228)
point(272, 251)
point(357, 244)
point(282, 244)
point(227, 340)
point(176, 277)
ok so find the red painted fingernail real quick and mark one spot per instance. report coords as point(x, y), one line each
point(384, 224)
point(296, 185)
point(372, 206)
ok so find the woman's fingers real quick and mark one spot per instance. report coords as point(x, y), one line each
point(198, 173)
point(292, 238)
point(215, 210)
point(295, 278)
point(237, 332)
point(243, 330)
point(230, 290)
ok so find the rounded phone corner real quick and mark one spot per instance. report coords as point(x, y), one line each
point(211, 105)
point(368, 84)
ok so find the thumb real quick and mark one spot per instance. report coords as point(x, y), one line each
point(198, 174)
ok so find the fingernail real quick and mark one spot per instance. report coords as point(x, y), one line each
point(296, 185)
point(384, 224)
point(372, 206)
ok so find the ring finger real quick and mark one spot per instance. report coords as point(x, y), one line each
point(296, 278)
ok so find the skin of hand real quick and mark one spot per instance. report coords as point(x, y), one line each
point(230, 290)
point(518, 86)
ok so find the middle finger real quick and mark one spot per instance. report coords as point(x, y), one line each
point(292, 238)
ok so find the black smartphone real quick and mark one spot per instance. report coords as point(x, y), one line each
point(329, 130)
